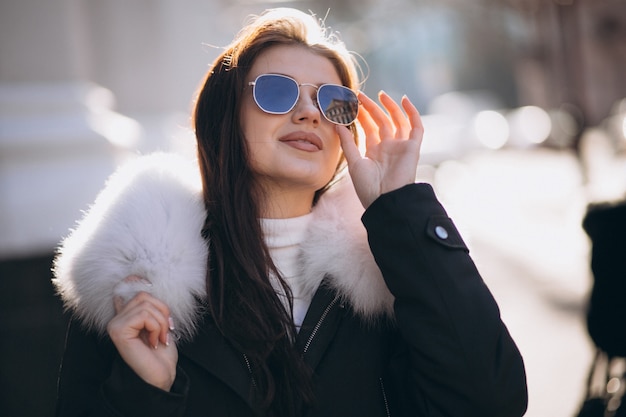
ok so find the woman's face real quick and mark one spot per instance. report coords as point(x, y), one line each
point(297, 152)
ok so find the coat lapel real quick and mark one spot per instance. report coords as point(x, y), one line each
point(320, 325)
point(211, 351)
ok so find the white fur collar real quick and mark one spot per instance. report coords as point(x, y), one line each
point(147, 222)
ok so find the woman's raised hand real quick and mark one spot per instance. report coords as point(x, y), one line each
point(392, 141)
point(140, 332)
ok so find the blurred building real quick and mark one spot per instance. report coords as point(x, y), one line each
point(572, 54)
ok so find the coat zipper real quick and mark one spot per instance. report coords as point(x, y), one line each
point(319, 323)
point(309, 340)
point(382, 388)
point(245, 358)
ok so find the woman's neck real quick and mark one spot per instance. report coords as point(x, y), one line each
point(283, 204)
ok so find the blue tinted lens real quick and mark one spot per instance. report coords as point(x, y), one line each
point(338, 104)
point(275, 93)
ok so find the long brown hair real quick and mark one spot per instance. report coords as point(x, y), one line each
point(241, 299)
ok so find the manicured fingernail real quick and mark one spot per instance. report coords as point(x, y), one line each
point(171, 323)
point(167, 339)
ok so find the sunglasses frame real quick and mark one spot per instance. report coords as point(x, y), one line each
point(298, 85)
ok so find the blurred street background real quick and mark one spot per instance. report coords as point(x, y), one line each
point(524, 103)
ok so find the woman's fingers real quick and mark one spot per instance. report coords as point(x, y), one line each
point(398, 117)
point(415, 119)
point(350, 149)
point(146, 316)
point(373, 121)
point(118, 303)
point(153, 328)
point(393, 134)
point(140, 332)
point(382, 124)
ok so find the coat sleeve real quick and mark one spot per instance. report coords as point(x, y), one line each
point(95, 382)
point(463, 360)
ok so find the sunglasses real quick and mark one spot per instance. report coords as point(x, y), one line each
point(278, 94)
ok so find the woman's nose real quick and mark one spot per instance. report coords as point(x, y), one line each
point(306, 108)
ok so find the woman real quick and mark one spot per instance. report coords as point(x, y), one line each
point(259, 292)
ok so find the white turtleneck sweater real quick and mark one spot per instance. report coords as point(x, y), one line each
point(283, 238)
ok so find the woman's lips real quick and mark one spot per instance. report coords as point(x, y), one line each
point(303, 141)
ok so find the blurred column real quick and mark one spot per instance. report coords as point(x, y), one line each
point(59, 135)
point(59, 140)
point(603, 45)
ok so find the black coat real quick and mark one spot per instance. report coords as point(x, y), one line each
point(447, 353)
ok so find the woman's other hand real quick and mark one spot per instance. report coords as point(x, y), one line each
point(140, 332)
point(392, 141)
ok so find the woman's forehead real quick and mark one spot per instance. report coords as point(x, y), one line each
point(300, 63)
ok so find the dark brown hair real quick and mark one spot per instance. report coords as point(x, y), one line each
point(241, 299)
